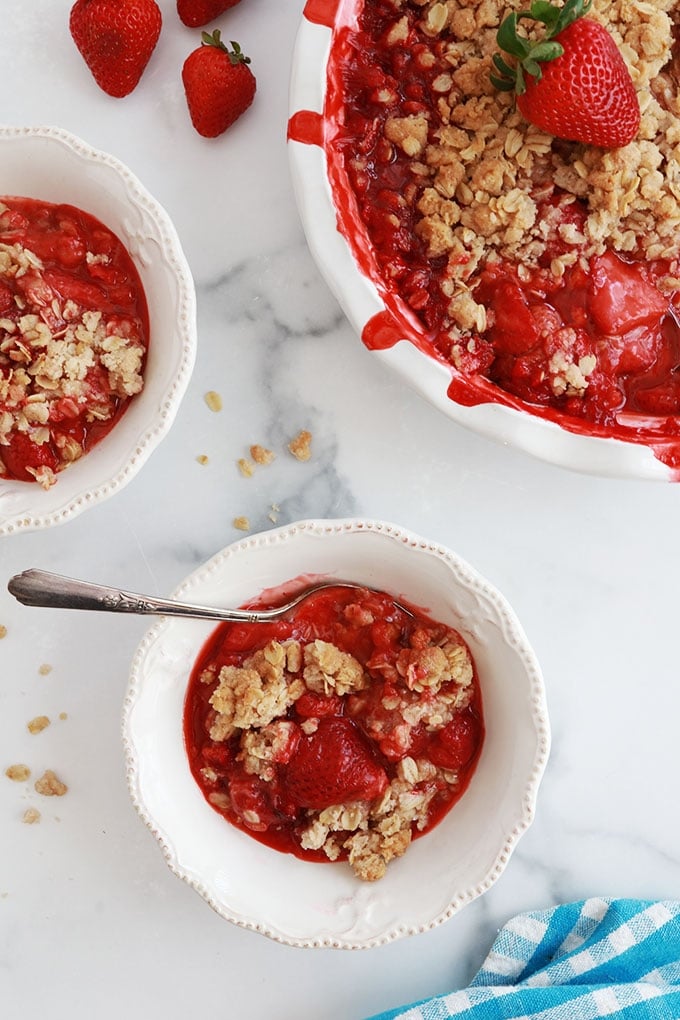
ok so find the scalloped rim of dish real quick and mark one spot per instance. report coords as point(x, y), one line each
point(513, 635)
point(146, 443)
point(360, 299)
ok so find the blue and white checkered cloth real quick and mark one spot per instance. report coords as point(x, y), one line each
point(579, 961)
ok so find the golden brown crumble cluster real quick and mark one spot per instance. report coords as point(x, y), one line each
point(252, 699)
point(47, 354)
point(483, 168)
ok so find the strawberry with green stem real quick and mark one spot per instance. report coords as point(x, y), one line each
point(573, 82)
point(218, 83)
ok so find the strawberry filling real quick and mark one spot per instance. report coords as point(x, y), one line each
point(587, 335)
point(312, 733)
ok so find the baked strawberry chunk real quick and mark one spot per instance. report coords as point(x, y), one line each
point(334, 765)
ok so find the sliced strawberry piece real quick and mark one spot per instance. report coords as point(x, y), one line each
point(251, 802)
point(455, 745)
point(22, 454)
point(621, 297)
point(334, 765)
point(313, 706)
point(513, 327)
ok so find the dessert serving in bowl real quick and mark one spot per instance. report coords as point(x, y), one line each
point(525, 283)
point(97, 326)
point(355, 772)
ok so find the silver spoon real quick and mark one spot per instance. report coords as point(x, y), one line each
point(42, 588)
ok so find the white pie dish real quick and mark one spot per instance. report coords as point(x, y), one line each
point(325, 905)
point(49, 163)
point(571, 445)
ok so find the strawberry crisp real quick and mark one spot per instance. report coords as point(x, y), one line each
point(73, 336)
point(339, 733)
point(547, 267)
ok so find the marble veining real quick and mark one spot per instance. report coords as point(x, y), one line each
point(590, 566)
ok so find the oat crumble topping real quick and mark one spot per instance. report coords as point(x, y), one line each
point(261, 455)
point(31, 816)
point(213, 400)
point(38, 724)
point(301, 445)
point(49, 785)
point(241, 523)
point(18, 773)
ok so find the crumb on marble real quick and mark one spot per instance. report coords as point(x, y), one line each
point(38, 724)
point(213, 400)
point(242, 523)
point(18, 773)
point(45, 669)
point(3, 631)
point(63, 715)
point(261, 455)
point(31, 816)
point(301, 445)
point(273, 514)
point(49, 785)
point(246, 467)
point(202, 459)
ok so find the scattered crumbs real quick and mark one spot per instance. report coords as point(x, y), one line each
point(37, 725)
point(242, 523)
point(45, 669)
point(63, 715)
point(245, 467)
point(3, 631)
point(49, 785)
point(301, 446)
point(18, 773)
point(261, 455)
point(213, 400)
point(31, 816)
point(273, 514)
point(202, 459)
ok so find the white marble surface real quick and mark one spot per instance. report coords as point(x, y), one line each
point(91, 921)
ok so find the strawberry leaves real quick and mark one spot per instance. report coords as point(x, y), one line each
point(530, 55)
point(569, 77)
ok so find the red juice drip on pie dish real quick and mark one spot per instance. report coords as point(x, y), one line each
point(306, 127)
point(381, 332)
point(321, 12)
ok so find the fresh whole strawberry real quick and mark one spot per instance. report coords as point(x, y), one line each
point(333, 765)
point(196, 13)
point(573, 83)
point(116, 39)
point(218, 83)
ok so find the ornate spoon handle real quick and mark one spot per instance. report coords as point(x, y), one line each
point(42, 588)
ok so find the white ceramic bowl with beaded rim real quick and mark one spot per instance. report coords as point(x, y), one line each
point(324, 905)
point(340, 252)
point(51, 164)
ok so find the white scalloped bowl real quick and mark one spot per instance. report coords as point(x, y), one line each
point(325, 905)
point(51, 164)
point(340, 252)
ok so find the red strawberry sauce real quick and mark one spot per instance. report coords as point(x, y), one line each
point(84, 267)
point(613, 305)
point(362, 764)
